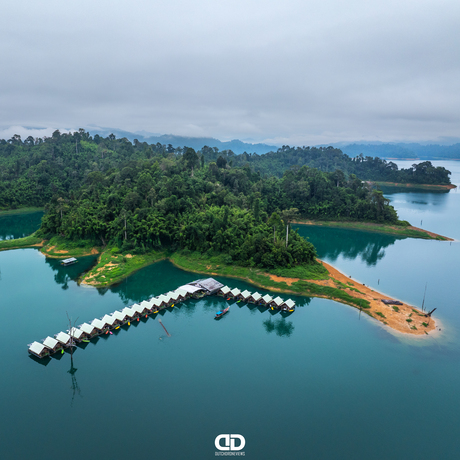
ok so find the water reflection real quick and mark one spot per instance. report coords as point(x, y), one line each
point(281, 327)
point(19, 225)
point(74, 387)
point(71, 272)
point(331, 243)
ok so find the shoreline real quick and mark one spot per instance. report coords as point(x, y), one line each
point(113, 267)
point(10, 212)
point(407, 232)
point(410, 185)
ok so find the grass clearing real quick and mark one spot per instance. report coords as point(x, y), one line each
point(18, 243)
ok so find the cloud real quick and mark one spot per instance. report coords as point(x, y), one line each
point(301, 71)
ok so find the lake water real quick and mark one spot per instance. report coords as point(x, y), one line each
point(19, 225)
point(323, 383)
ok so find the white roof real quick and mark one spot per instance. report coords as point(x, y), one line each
point(138, 308)
point(190, 289)
point(76, 333)
point(225, 290)
point(50, 343)
point(98, 324)
point(278, 301)
point(267, 298)
point(256, 296)
point(246, 294)
point(146, 304)
point(235, 291)
point(87, 328)
point(165, 298)
point(109, 319)
point(173, 295)
point(157, 302)
point(181, 292)
point(129, 312)
point(63, 337)
point(290, 303)
point(37, 347)
point(119, 315)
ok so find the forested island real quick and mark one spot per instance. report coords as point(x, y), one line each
point(136, 203)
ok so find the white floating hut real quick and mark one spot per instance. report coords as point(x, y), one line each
point(89, 330)
point(245, 295)
point(109, 321)
point(38, 349)
point(76, 333)
point(254, 298)
point(223, 291)
point(289, 305)
point(99, 325)
point(266, 299)
point(52, 344)
point(277, 302)
point(235, 292)
point(120, 317)
point(64, 338)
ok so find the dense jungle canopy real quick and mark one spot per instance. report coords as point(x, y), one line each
point(139, 196)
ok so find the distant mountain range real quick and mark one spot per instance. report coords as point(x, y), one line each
point(236, 146)
point(382, 150)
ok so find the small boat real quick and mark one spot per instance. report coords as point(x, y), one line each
point(221, 313)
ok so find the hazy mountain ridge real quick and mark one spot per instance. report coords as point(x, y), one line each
point(235, 145)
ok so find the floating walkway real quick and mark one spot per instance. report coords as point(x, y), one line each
point(197, 289)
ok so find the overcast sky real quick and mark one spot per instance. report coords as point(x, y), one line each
point(286, 71)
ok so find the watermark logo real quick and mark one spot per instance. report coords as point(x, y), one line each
point(230, 445)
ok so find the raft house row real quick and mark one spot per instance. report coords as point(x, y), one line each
point(196, 289)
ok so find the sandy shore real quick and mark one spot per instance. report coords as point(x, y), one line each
point(396, 320)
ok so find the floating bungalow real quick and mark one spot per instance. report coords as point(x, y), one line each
point(89, 330)
point(156, 305)
point(223, 291)
point(234, 293)
point(182, 295)
point(52, 344)
point(38, 349)
point(289, 305)
point(277, 302)
point(254, 298)
point(99, 325)
point(245, 295)
point(77, 334)
point(109, 321)
point(70, 261)
point(64, 339)
point(130, 313)
point(266, 299)
point(196, 289)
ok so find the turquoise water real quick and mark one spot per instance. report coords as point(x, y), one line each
point(323, 382)
point(19, 225)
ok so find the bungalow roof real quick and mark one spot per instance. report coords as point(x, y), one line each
point(119, 315)
point(189, 288)
point(98, 324)
point(157, 302)
point(225, 290)
point(256, 296)
point(290, 303)
point(37, 348)
point(50, 343)
point(278, 301)
point(63, 338)
point(267, 298)
point(181, 292)
point(235, 292)
point(87, 328)
point(246, 294)
point(75, 333)
point(109, 319)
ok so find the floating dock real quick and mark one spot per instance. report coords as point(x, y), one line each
point(196, 289)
